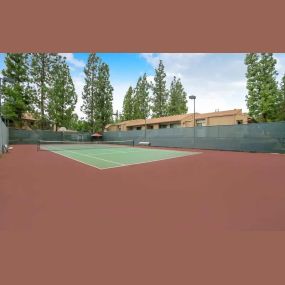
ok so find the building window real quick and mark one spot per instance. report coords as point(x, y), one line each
point(174, 125)
point(200, 122)
point(129, 128)
point(162, 126)
point(149, 127)
point(239, 122)
point(139, 128)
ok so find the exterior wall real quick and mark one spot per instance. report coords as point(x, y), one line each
point(243, 118)
point(225, 120)
point(113, 128)
point(187, 124)
point(201, 122)
point(216, 121)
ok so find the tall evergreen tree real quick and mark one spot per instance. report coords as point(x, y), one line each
point(263, 96)
point(17, 94)
point(282, 100)
point(90, 89)
point(253, 84)
point(269, 92)
point(177, 98)
point(41, 73)
point(141, 99)
point(61, 96)
point(73, 122)
point(160, 93)
point(103, 98)
point(128, 105)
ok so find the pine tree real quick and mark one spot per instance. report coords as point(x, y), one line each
point(253, 84)
point(128, 105)
point(103, 98)
point(73, 123)
point(90, 89)
point(82, 125)
point(269, 93)
point(141, 99)
point(61, 96)
point(160, 94)
point(263, 98)
point(41, 73)
point(177, 98)
point(17, 94)
point(281, 115)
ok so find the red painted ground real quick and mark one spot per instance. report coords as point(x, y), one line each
point(75, 224)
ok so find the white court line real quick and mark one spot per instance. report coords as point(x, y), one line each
point(145, 150)
point(89, 164)
point(121, 164)
point(136, 163)
point(92, 156)
point(115, 152)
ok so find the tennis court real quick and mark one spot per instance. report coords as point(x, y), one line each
point(109, 154)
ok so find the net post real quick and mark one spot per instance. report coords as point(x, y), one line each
point(133, 143)
point(38, 145)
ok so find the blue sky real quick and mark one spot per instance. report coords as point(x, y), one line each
point(217, 80)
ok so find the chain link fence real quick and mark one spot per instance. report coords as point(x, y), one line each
point(19, 136)
point(4, 136)
point(261, 137)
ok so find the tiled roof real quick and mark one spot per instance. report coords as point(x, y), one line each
point(219, 114)
point(179, 118)
point(175, 118)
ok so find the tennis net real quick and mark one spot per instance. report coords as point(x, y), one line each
point(77, 145)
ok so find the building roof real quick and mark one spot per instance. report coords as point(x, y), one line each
point(234, 112)
point(219, 114)
point(178, 118)
point(175, 118)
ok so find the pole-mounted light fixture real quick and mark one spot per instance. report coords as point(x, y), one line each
point(192, 97)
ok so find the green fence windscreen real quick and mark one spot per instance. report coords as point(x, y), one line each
point(261, 137)
point(18, 136)
point(4, 135)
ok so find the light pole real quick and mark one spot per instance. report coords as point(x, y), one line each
point(192, 97)
point(145, 128)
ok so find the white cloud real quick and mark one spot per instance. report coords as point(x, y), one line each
point(217, 80)
point(150, 78)
point(78, 81)
point(280, 66)
point(73, 61)
point(120, 89)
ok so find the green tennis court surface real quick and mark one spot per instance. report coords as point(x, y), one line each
point(110, 154)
